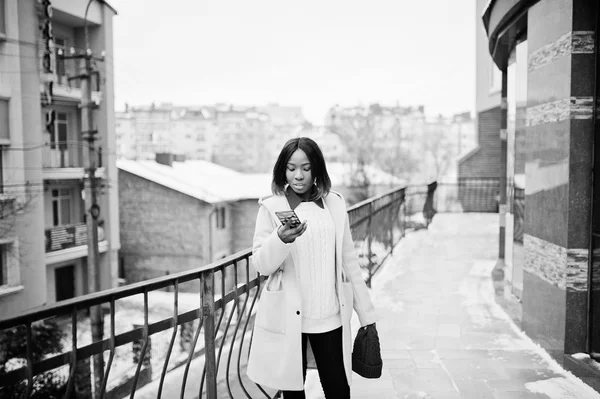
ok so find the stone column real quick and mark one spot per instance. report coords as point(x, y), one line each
point(558, 173)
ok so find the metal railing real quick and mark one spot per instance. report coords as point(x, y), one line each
point(66, 154)
point(153, 345)
point(69, 236)
point(468, 195)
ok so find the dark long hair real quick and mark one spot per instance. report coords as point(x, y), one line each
point(317, 166)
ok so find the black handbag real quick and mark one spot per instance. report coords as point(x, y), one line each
point(366, 353)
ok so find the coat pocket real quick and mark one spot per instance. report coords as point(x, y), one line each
point(270, 315)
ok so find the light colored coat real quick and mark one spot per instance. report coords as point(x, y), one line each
point(276, 353)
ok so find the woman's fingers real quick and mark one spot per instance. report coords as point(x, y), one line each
point(299, 230)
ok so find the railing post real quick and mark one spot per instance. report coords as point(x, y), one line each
point(208, 312)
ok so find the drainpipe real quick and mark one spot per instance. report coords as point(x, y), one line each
point(498, 271)
point(210, 234)
point(595, 143)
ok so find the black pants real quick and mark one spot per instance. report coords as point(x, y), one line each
point(328, 351)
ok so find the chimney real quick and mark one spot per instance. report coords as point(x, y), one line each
point(164, 158)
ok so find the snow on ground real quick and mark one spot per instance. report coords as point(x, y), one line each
point(482, 307)
point(562, 388)
point(479, 300)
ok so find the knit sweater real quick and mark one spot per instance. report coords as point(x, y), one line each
point(316, 263)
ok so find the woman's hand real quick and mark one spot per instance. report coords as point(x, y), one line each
point(288, 233)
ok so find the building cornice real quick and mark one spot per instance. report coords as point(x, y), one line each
point(504, 21)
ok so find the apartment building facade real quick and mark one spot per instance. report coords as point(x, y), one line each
point(193, 133)
point(244, 138)
point(240, 142)
point(43, 242)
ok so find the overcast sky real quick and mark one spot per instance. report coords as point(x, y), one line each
point(308, 53)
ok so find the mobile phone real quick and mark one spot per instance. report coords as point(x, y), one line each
point(284, 216)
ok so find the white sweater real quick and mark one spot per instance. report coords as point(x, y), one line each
point(316, 263)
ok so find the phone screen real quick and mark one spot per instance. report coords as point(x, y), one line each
point(284, 216)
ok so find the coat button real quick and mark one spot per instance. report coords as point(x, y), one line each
point(297, 312)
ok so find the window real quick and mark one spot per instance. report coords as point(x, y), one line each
point(10, 275)
point(495, 77)
point(4, 125)
point(59, 69)
point(61, 206)
point(3, 266)
point(220, 218)
point(2, 18)
point(58, 138)
point(121, 274)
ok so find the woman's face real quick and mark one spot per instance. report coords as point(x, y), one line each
point(298, 173)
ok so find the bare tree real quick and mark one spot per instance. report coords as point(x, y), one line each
point(437, 145)
point(356, 131)
point(393, 155)
point(372, 138)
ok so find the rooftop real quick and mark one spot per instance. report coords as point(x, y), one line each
point(203, 180)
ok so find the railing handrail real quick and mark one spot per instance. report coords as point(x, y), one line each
point(373, 199)
point(96, 298)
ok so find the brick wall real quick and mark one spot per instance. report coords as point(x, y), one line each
point(161, 229)
point(164, 231)
point(485, 161)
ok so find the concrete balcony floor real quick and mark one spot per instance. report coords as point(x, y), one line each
point(441, 331)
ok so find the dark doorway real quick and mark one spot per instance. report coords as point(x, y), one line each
point(64, 281)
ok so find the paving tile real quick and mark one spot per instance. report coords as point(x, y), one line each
point(470, 388)
point(424, 358)
point(518, 359)
point(480, 354)
point(450, 330)
point(519, 395)
point(507, 385)
point(368, 389)
point(480, 370)
point(446, 395)
point(395, 354)
point(448, 343)
point(425, 380)
point(422, 342)
point(399, 364)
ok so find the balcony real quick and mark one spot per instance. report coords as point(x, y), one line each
point(67, 163)
point(70, 242)
point(187, 334)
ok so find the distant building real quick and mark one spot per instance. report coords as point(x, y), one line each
point(463, 133)
point(483, 162)
point(43, 236)
point(331, 144)
point(243, 138)
point(176, 216)
point(144, 131)
point(193, 133)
